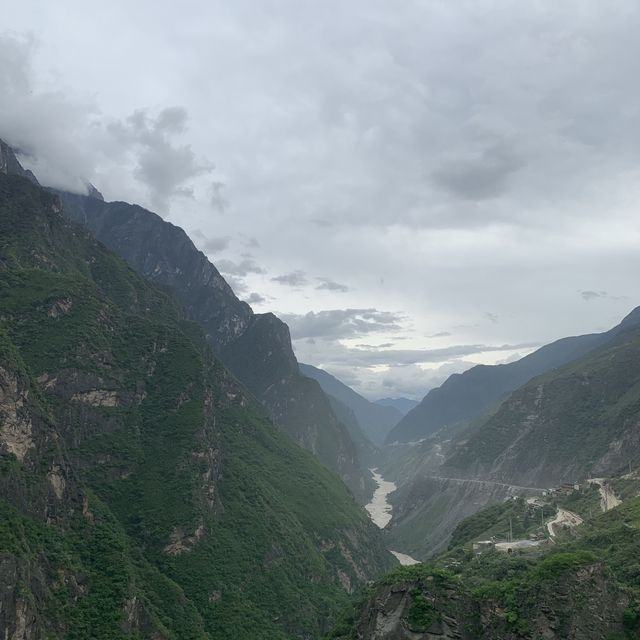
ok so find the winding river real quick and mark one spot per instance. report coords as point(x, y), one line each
point(380, 511)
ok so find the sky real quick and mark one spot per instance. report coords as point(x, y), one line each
point(415, 187)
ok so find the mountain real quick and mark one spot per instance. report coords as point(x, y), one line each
point(573, 421)
point(582, 587)
point(578, 420)
point(143, 492)
point(255, 347)
point(403, 405)
point(376, 421)
point(10, 165)
point(466, 396)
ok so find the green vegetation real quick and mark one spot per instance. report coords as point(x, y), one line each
point(585, 502)
point(586, 585)
point(199, 518)
point(625, 488)
point(498, 520)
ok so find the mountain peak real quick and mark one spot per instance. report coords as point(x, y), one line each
point(10, 165)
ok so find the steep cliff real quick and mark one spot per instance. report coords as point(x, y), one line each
point(256, 348)
point(144, 492)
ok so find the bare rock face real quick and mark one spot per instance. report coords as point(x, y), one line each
point(16, 429)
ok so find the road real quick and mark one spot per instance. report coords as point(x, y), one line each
point(563, 518)
point(488, 482)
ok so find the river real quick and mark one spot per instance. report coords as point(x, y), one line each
point(380, 511)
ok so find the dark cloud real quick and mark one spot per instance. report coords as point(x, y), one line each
point(294, 279)
point(479, 175)
point(330, 285)
point(243, 268)
point(342, 323)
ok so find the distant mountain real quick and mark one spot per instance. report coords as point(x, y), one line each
point(255, 347)
point(574, 421)
point(403, 405)
point(466, 396)
point(375, 421)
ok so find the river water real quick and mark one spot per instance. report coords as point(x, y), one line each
point(380, 511)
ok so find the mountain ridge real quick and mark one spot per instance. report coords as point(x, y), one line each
point(465, 396)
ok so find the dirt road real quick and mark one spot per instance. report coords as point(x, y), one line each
point(563, 518)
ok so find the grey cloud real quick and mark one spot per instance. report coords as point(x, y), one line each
point(250, 242)
point(164, 167)
point(480, 175)
point(492, 317)
point(330, 285)
point(294, 279)
point(45, 126)
point(591, 295)
point(456, 144)
point(439, 334)
point(218, 202)
point(215, 245)
point(342, 323)
point(68, 143)
point(242, 268)
point(402, 357)
point(255, 298)
point(238, 285)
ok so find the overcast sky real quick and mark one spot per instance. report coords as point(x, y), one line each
point(414, 186)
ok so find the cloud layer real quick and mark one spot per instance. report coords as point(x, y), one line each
point(424, 175)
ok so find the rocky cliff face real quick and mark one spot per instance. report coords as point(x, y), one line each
point(142, 490)
point(256, 348)
point(433, 606)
